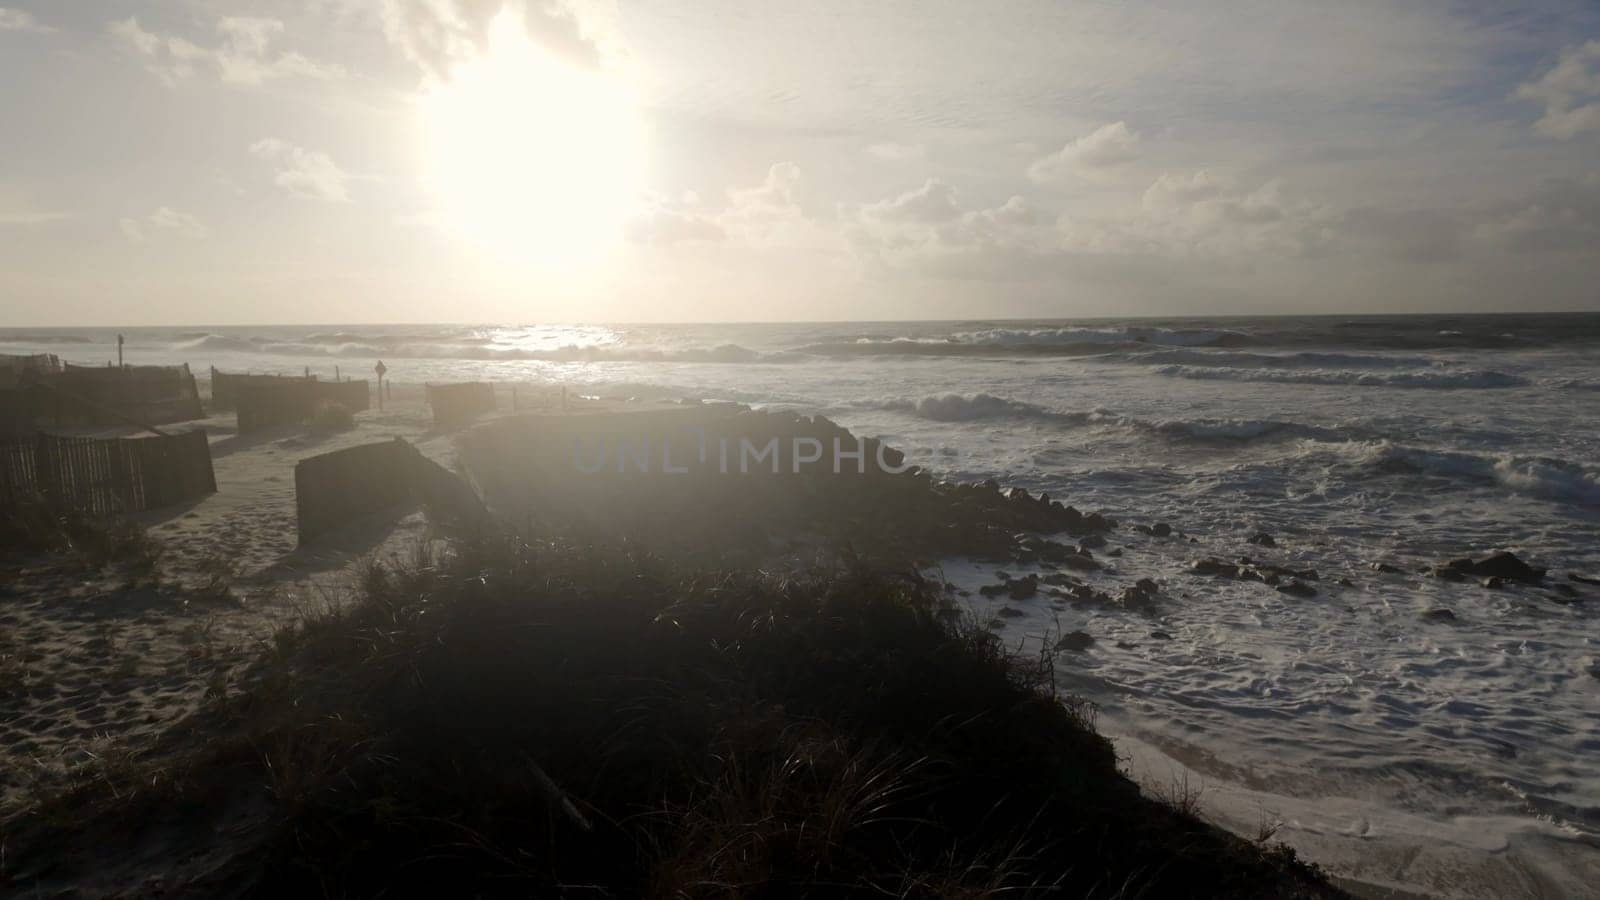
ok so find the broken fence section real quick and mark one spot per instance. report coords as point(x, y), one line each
point(336, 489)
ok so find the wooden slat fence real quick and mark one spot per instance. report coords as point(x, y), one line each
point(267, 404)
point(91, 396)
point(109, 476)
point(352, 395)
point(456, 404)
point(225, 386)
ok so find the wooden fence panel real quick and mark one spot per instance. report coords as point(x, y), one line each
point(352, 395)
point(107, 477)
point(19, 477)
point(270, 404)
point(334, 489)
point(456, 404)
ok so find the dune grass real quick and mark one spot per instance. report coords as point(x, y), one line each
point(34, 524)
point(585, 720)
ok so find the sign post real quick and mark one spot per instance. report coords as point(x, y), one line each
point(380, 368)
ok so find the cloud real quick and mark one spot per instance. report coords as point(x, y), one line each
point(437, 34)
point(1564, 214)
point(928, 232)
point(1103, 149)
point(671, 222)
point(304, 173)
point(164, 221)
point(243, 54)
point(1570, 93)
point(892, 152)
point(21, 20)
point(935, 201)
point(1205, 214)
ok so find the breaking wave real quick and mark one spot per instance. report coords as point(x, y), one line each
point(1428, 379)
point(1030, 341)
point(988, 407)
point(340, 344)
point(1544, 477)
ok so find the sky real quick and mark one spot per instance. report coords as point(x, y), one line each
point(348, 161)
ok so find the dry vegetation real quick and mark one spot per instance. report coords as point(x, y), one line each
point(548, 718)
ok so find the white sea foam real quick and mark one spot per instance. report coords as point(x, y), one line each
point(1417, 379)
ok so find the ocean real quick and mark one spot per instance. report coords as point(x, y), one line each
point(1353, 441)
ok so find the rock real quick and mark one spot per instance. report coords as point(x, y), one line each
point(1092, 542)
point(1023, 588)
point(1160, 636)
point(1494, 582)
point(1136, 600)
point(1079, 563)
point(995, 590)
point(1297, 589)
point(1116, 551)
point(1011, 612)
point(1439, 614)
point(1262, 539)
point(1148, 586)
point(1213, 566)
point(1123, 645)
point(1506, 565)
point(1497, 565)
point(1582, 579)
point(1161, 529)
point(1075, 640)
point(1345, 582)
point(1144, 529)
point(1385, 568)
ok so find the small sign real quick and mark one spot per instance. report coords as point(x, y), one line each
point(380, 368)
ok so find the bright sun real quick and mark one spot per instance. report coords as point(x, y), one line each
point(530, 158)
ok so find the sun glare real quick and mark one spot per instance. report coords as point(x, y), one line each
point(529, 157)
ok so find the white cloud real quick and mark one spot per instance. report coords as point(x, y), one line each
point(1562, 215)
point(935, 201)
point(928, 231)
point(1105, 148)
point(1570, 93)
point(164, 221)
point(672, 222)
point(436, 34)
point(304, 173)
point(1204, 214)
point(243, 54)
point(21, 20)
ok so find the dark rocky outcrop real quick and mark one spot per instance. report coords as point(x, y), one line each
point(1075, 640)
point(1297, 589)
point(1502, 565)
point(1247, 569)
point(1261, 539)
point(1439, 614)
